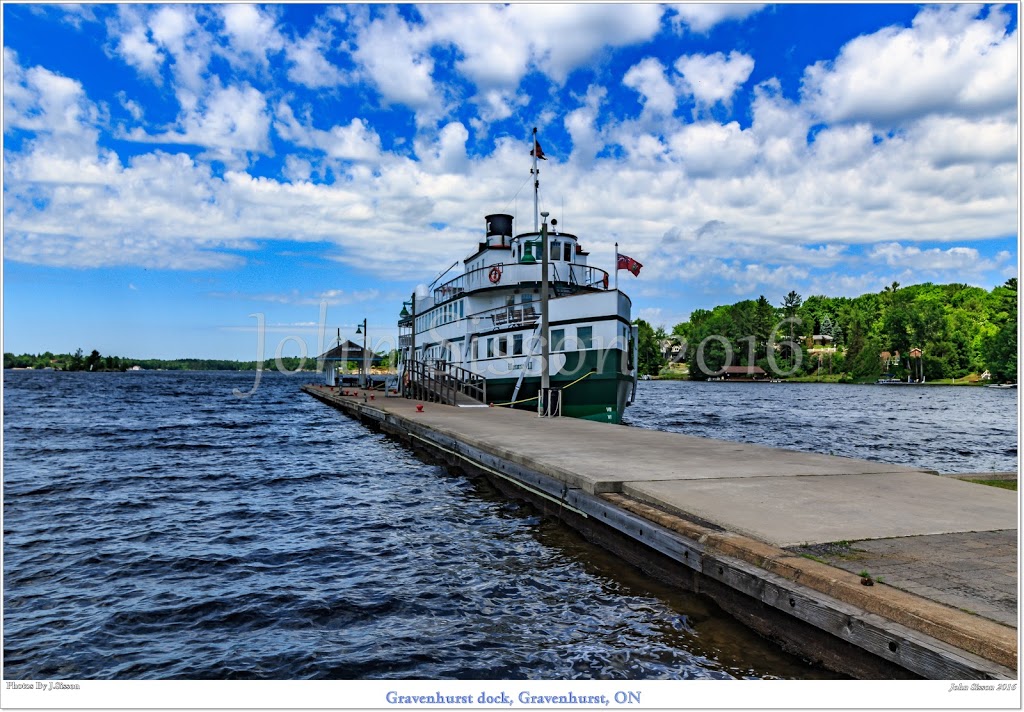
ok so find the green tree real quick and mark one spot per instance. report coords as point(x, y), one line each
point(648, 349)
point(790, 306)
point(93, 362)
point(1000, 349)
point(764, 320)
point(709, 344)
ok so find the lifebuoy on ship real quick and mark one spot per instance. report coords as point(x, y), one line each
point(495, 274)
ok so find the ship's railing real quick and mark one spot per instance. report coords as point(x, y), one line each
point(512, 273)
point(526, 314)
point(443, 382)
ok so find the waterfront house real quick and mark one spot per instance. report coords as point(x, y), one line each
point(889, 359)
point(820, 343)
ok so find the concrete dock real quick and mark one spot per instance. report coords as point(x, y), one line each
point(777, 537)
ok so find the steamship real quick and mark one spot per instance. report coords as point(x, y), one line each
point(484, 324)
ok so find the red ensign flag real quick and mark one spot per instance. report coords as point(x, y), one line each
point(630, 264)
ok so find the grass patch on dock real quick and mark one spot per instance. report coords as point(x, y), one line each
point(1003, 484)
point(829, 553)
point(812, 557)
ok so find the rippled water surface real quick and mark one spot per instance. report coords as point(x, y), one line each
point(155, 526)
point(949, 429)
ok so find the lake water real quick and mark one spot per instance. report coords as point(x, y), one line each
point(155, 526)
point(949, 429)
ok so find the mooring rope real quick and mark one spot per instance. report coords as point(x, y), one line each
point(527, 400)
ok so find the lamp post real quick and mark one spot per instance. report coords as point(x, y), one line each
point(545, 347)
point(408, 314)
point(332, 379)
point(363, 377)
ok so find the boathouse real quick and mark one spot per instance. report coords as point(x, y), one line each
point(742, 373)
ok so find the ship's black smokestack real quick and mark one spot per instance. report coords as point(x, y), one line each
point(499, 224)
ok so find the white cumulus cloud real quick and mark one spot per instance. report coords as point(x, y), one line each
point(251, 33)
point(951, 60)
point(648, 79)
point(230, 123)
point(308, 63)
point(701, 17)
point(395, 57)
point(953, 259)
point(713, 78)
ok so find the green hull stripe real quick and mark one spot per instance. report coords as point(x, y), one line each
point(599, 396)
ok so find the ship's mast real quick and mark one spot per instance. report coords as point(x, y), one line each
point(535, 172)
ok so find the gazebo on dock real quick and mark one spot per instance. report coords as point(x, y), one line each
point(343, 354)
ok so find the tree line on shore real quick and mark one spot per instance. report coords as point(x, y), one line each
point(96, 362)
point(960, 330)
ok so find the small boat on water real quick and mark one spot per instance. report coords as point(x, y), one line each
point(1002, 385)
point(479, 333)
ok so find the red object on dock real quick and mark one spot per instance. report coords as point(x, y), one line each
point(419, 407)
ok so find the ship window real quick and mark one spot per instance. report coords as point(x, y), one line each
point(502, 346)
point(517, 345)
point(557, 339)
point(567, 251)
point(554, 250)
point(584, 337)
point(490, 348)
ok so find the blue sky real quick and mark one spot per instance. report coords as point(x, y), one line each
point(171, 170)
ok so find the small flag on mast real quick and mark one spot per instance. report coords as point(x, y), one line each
point(624, 262)
point(537, 150)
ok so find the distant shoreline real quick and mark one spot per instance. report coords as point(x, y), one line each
point(96, 362)
point(860, 382)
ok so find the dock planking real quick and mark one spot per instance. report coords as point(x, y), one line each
point(766, 498)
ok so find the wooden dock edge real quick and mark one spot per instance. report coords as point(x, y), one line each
point(818, 611)
point(983, 637)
